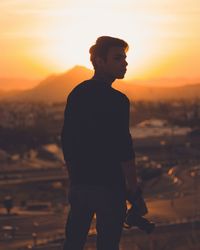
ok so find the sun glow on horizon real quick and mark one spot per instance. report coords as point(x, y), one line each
point(64, 49)
point(53, 36)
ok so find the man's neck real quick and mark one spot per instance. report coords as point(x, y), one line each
point(103, 77)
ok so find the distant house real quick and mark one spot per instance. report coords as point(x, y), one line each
point(157, 128)
point(153, 123)
point(195, 133)
point(50, 152)
point(194, 136)
point(38, 205)
point(4, 156)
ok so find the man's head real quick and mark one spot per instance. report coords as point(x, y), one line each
point(108, 56)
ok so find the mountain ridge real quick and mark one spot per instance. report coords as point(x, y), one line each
point(55, 88)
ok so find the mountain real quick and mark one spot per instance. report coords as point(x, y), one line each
point(7, 84)
point(55, 88)
point(137, 92)
point(8, 95)
point(2, 92)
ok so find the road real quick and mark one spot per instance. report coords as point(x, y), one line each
point(51, 225)
point(32, 175)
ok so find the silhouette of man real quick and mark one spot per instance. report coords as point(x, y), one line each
point(98, 150)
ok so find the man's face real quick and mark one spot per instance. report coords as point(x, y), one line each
point(115, 64)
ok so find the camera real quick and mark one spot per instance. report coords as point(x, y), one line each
point(135, 215)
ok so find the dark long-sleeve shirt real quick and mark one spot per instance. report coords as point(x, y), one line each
point(95, 135)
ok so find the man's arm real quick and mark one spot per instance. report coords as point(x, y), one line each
point(128, 153)
point(129, 170)
point(67, 130)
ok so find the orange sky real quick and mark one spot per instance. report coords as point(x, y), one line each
point(50, 36)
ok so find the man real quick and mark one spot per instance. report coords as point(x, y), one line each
point(98, 150)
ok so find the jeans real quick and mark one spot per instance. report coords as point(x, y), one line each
point(110, 208)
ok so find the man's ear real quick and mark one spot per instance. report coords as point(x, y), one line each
point(99, 61)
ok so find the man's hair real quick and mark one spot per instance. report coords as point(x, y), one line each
point(102, 46)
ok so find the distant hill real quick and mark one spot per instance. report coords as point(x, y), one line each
point(136, 92)
point(55, 88)
point(9, 83)
point(8, 95)
point(2, 92)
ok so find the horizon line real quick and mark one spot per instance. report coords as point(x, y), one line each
point(184, 81)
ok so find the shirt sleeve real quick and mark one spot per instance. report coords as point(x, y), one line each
point(67, 137)
point(127, 149)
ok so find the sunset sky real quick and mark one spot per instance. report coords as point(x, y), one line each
point(41, 37)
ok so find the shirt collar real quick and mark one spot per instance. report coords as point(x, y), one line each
point(101, 81)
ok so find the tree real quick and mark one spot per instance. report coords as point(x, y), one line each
point(8, 203)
